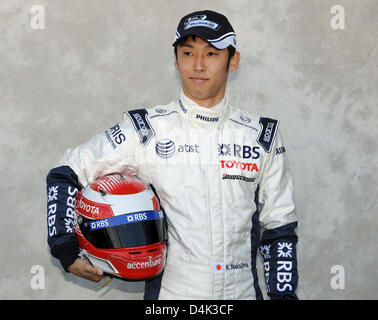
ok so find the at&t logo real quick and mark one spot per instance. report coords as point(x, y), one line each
point(165, 148)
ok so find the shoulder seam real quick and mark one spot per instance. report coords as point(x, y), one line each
point(163, 114)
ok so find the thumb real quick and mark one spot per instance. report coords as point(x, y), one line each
point(98, 271)
point(94, 270)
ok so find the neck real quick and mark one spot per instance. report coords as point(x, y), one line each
point(208, 102)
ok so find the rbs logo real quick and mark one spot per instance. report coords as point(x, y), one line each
point(136, 217)
point(115, 133)
point(244, 152)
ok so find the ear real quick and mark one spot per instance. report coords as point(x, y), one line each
point(176, 64)
point(234, 62)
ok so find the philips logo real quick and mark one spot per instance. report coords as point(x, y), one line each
point(208, 119)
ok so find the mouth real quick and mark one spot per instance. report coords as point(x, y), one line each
point(199, 79)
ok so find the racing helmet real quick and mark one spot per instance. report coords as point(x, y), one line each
point(121, 227)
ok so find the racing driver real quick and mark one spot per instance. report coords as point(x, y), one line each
point(221, 174)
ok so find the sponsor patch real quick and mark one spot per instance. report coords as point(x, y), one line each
point(126, 218)
point(93, 209)
point(238, 177)
point(115, 136)
point(206, 118)
point(55, 198)
point(280, 150)
point(243, 166)
point(267, 133)
point(142, 125)
point(200, 21)
point(240, 151)
point(165, 148)
point(188, 148)
point(144, 264)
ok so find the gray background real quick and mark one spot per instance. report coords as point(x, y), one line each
point(94, 59)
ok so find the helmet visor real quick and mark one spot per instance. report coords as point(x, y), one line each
point(128, 230)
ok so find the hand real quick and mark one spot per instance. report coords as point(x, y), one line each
point(82, 268)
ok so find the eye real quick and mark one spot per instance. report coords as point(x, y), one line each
point(212, 53)
point(187, 53)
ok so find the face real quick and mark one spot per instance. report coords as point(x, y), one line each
point(203, 70)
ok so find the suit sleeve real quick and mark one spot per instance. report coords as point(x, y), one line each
point(109, 152)
point(278, 220)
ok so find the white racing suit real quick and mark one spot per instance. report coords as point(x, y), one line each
point(223, 179)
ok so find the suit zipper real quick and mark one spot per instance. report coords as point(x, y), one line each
point(209, 212)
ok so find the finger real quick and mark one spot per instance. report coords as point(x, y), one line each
point(90, 275)
point(99, 271)
point(95, 270)
point(93, 278)
point(97, 278)
point(89, 268)
point(91, 272)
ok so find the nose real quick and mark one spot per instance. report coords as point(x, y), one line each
point(199, 63)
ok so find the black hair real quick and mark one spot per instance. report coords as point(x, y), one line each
point(231, 49)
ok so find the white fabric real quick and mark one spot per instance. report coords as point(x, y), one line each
point(209, 217)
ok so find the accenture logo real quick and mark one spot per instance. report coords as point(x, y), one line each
point(144, 265)
point(165, 148)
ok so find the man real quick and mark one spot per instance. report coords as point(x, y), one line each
point(220, 172)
